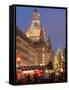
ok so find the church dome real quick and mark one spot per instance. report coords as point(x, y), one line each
point(35, 29)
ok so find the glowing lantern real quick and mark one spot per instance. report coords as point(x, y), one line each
point(18, 60)
point(19, 57)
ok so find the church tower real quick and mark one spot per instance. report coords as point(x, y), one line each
point(35, 31)
point(36, 34)
point(35, 17)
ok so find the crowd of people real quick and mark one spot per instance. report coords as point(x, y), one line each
point(27, 78)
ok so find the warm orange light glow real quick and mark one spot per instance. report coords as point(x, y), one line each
point(61, 69)
point(18, 75)
point(29, 71)
point(18, 59)
point(57, 73)
point(47, 71)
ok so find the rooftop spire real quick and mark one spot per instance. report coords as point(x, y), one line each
point(35, 14)
point(35, 10)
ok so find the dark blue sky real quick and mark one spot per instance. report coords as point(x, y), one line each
point(53, 20)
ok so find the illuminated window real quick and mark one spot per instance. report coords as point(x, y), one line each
point(43, 48)
point(43, 59)
point(43, 55)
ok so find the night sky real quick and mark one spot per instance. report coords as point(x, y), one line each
point(53, 20)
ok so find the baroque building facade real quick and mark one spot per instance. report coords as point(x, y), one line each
point(25, 52)
point(42, 44)
point(34, 47)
